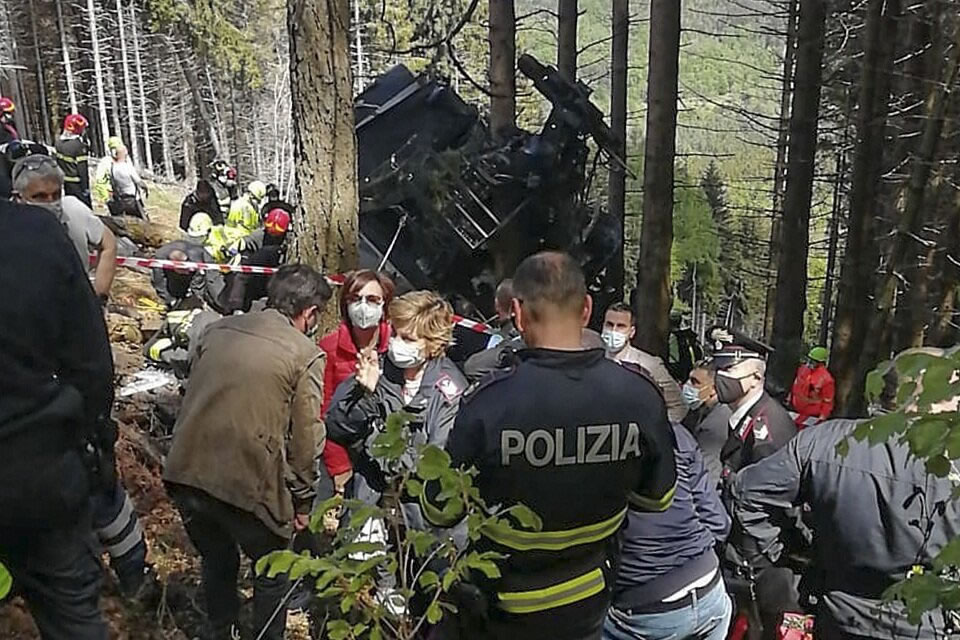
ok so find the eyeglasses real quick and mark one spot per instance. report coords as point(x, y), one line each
point(370, 299)
point(31, 163)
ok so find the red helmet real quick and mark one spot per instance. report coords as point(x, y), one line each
point(277, 222)
point(7, 106)
point(75, 123)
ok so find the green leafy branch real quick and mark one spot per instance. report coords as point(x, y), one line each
point(427, 563)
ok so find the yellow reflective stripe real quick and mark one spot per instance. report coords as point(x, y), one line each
point(71, 159)
point(553, 540)
point(433, 514)
point(71, 178)
point(559, 595)
point(158, 347)
point(651, 504)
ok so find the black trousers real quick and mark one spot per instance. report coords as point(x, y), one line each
point(217, 529)
point(58, 573)
point(125, 206)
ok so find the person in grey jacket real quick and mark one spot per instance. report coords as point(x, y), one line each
point(869, 512)
point(416, 377)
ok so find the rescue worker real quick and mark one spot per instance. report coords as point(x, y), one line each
point(39, 181)
point(128, 191)
point(364, 299)
point(202, 199)
point(174, 286)
point(813, 390)
point(56, 390)
point(241, 468)
point(709, 419)
point(863, 508)
point(72, 151)
point(618, 332)
point(223, 181)
point(8, 131)
point(759, 425)
point(669, 584)
point(101, 177)
point(245, 210)
point(265, 247)
point(575, 438)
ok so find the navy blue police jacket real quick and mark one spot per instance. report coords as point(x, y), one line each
point(578, 439)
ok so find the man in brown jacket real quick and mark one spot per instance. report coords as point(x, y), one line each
point(242, 466)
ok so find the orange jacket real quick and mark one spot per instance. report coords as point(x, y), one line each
point(813, 391)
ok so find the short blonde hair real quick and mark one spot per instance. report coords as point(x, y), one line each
point(428, 316)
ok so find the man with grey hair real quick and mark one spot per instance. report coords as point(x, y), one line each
point(38, 180)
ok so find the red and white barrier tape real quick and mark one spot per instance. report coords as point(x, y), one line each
point(171, 265)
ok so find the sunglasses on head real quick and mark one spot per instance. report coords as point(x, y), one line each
point(31, 163)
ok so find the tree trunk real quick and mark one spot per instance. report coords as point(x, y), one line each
point(617, 188)
point(164, 132)
point(224, 151)
point(503, 55)
point(859, 260)
point(147, 151)
point(834, 237)
point(567, 17)
point(114, 103)
point(41, 78)
point(913, 207)
point(127, 89)
point(190, 172)
point(792, 272)
point(325, 143)
point(656, 235)
point(68, 68)
point(780, 167)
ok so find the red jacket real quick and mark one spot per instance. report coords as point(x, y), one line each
point(813, 392)
point(341, 364)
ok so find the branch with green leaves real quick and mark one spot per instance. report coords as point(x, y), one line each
point(427, 563)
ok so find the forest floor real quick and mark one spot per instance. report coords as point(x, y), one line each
point(146, 422)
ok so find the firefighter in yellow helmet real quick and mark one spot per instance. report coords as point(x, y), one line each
point(245, 210)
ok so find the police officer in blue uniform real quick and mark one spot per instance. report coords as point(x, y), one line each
point(572, 435)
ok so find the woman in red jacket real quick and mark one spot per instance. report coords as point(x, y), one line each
point(364, 297)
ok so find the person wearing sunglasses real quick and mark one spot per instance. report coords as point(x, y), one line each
point(38, 180)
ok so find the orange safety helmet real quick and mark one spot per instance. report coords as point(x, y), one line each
point(277, 222)
point(75, 123)
point(7, 106)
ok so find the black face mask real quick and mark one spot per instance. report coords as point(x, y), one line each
point(728, 389)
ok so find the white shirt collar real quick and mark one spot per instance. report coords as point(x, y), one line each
point(739, 414)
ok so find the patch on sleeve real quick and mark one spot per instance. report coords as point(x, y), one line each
point(450, 389)
point(761, 432)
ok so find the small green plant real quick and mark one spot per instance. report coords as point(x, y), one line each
point(927, 385)
point(427, 564)
point(6, 582)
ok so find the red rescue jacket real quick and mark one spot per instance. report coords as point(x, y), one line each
point(341, 364)
point(813, 392)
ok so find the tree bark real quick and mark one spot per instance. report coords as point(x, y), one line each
point(190, 172)
point(617, 186)
point(128, 89)
point(114, 103)
point(208, 130)
point(503, 62)
point(68, 66)
point(147, 151)
point(41, 77)
point(164, 132)
point(911, 215)
point(325, 144)
point(780, 166)
point(656, 235)
point(834, 236)
point(859, 260)
point(567, 18)
point(791, 295)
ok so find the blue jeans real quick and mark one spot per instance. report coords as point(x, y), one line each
point(707, 618)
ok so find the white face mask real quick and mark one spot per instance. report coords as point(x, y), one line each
point(56, 208)
point(364, 315)
point(406, 355)
point(614, 340)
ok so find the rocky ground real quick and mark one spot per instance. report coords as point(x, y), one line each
point(145, 419)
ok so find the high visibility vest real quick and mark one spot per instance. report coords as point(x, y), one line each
point(243, 215)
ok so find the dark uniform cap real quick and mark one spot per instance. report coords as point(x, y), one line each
point(730, 347)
